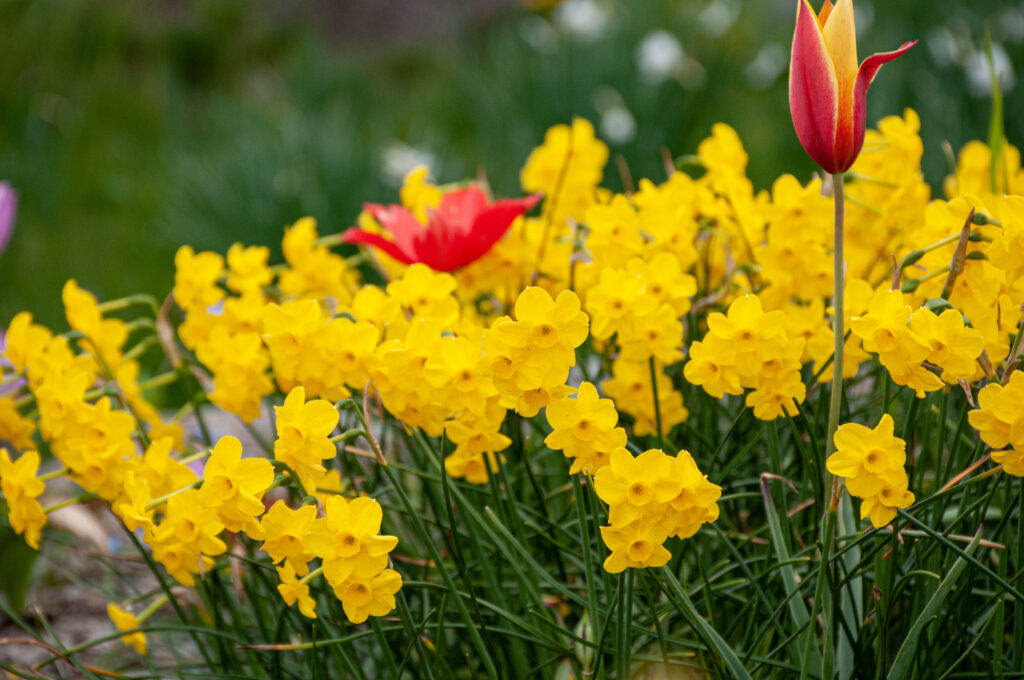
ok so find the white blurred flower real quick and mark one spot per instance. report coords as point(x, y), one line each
point(1011, 23)
point(767, 66)
point(398, 158)
point(942, 46)
point(584, 19)
point(719, 16)
point(659, 56)
point(979, 82)
point(539, 34)
point(618, 125)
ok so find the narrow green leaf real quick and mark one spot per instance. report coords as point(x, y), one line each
point(704, 629)
point(851, 601)
point(902, 666)
point(16, 560)
point(996, 128)
point(797, 609)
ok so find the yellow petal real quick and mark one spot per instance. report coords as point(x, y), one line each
point(841, 42)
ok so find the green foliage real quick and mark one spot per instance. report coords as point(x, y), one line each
point(16, 560)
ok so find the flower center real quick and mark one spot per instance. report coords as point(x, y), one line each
point(640, 550)
point(885, 340)
point(545, 335)
point(640, 494)
point(358, 594)
point(875, 461)
point(347, 545)
point(185, 530)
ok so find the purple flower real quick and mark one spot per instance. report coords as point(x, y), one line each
point(8, 210)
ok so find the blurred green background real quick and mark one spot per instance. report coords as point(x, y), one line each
point(131, 128)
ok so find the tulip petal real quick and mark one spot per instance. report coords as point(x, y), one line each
point(458, 209)
point(826, 9)
point(399, 221)
point(841, 42)
point(869, 69)
point(865, 75)
point(813, 89)
point(492, 223)
point(840, 36)
point(437, 246)
point(377, 241)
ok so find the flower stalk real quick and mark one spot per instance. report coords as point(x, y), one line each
point(838, 317)
point(821, 603)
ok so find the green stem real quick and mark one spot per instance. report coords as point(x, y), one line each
point(311, 575)
point(126, 302)
point(657, 406)
point(159, 381)
point(198, 455)
point(837, 326)
point(163, 499)
point(54, 475)
point(625, 647)
point(153, 607)
point(827, 606)
point(71, 501)
point(346, 435)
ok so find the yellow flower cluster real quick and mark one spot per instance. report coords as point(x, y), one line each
point(223, 330)
point(747, 274)
point(21, 489)
point(183, 518)
point(999, 419)
point(230, 498)
point(871, 461)
point(584, 429)
point(353, 554)
point(906, 340)
point(777, 246)
point(750, 348)
point(530, 356)
point(91, 439)
point(568, 167)
point(229, 317)
point(650, 498)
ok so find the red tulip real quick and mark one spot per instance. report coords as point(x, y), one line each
point(459, 231)
point(827, 90)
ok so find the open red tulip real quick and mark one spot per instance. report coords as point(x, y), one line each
point(459, 231)
point(827, 90)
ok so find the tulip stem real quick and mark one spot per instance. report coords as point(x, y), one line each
point(826, 604)
point(835, 405)
point(837, 328)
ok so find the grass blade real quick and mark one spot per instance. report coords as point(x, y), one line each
point(905, 658)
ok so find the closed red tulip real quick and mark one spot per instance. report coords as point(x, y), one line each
point(827, 89)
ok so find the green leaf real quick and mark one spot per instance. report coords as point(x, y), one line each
point(905, 658)
point(996, 128)
point(851, 601)
point(797, 609)
point(16, 560)
point(711, 636)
